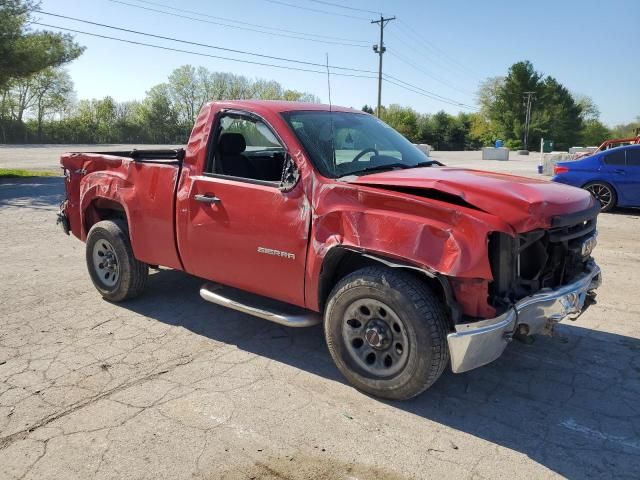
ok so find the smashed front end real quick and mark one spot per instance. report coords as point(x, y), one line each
point(539, 278)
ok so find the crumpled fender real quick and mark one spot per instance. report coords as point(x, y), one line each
point(433, 235)
point(112, 186)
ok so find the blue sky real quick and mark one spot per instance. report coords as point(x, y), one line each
point(590, 46)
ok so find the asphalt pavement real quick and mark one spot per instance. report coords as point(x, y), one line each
point(168, 386)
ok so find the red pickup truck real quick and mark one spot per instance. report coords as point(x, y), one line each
point(304, 214)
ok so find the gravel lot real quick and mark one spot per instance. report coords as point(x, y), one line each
point(169, 386)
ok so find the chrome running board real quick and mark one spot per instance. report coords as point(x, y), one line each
point(265, 308)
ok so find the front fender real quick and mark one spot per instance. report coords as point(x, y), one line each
point(430, 234)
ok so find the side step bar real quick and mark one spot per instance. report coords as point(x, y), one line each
point(262, 307)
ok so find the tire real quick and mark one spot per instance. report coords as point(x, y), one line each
point(113, 268)
point(604, 193)
point(409, 357)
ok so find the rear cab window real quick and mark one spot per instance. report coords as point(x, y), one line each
point(246, 148)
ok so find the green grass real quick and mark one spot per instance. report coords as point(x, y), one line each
point(18, 173)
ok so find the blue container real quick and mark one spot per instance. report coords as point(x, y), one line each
point(499, 143)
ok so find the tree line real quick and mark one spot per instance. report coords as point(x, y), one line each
point(441, 130)
point(42, 108)
point(557, 114)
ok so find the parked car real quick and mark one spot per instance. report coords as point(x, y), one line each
point(612, 176)
point(303, 214)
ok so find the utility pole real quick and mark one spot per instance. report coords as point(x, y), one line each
point(529, 99)
point(380, 49)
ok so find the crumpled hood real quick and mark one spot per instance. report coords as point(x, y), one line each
point(524, 203)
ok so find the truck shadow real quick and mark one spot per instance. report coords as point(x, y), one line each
point(41, 193)
point(569, 402)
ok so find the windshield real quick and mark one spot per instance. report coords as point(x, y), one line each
point(345, 143)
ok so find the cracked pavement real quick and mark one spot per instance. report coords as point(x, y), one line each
point(170, 386)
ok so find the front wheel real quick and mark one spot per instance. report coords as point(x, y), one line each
point(604, 193)
point(113, 268)
point(386, 331)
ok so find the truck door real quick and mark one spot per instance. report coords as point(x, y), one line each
point(236, 225)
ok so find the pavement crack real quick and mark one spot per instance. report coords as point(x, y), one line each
point(22, 434)
point(101, 323)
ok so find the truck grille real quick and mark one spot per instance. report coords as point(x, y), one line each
point(532, 261)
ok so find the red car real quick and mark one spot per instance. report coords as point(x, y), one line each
point(302, 214)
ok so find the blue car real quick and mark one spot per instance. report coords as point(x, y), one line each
point(612, 176)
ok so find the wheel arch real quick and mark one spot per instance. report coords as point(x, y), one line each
point(99, 209)
point(340, 261)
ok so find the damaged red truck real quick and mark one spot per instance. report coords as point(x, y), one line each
point(304, 214)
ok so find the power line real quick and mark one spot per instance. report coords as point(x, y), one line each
point(232, 50)
point(388, 78)
point(201, 20)
point(263, 27)
point(434, 95)
point(178, 50)
point(427, 93)
point(416, 91)
point(431, 46)
point(346, 7)
point(406, 86)
point(317, 10)
point(428, 74)
point(421, 93)
point(434, 48)
point(416, 50)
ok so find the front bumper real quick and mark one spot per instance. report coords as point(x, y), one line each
point(475, 344)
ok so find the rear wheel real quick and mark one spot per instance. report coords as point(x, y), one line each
point(113, 268)
point(386, 332)
point(604, 193)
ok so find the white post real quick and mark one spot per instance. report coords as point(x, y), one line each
point(540, 161)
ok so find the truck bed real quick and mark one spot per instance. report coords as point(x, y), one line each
point(105, 180)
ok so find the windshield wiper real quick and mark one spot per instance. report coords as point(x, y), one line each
point(376, 168)
point(402, 166)
point(427, 163)
point(392, 166)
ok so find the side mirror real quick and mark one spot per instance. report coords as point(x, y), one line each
point(290, 173)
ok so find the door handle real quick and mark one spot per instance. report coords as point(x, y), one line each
point(212, 199)
point(620, 171)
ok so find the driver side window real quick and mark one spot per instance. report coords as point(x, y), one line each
point(246, 148)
